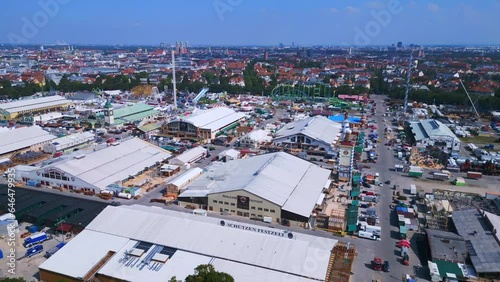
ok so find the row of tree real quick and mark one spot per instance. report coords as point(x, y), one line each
point(438, 97)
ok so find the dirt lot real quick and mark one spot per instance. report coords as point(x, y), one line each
point(25, 267)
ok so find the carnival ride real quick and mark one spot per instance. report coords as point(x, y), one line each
point(312, 92)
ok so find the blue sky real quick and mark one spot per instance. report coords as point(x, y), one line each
point(249, 22)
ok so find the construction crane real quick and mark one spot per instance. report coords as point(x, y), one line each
point(468, 96)
point(408, 76)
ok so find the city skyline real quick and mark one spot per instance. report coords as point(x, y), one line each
point(255, 23)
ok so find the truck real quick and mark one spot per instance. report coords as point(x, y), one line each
point(33, 251)
point(54, 250)
point(440, 176)
point(124, 196)
point(416, 171)
point(368, 235)
point(474, 175)
point(35, 239)
point(377, 264)
point(471, 147)
point(413, 189)
point(489, 147)
point(374, 230)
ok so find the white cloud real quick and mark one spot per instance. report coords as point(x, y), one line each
point(352, 10)
point(137, 24)
point(333, 10)
point(433, 7)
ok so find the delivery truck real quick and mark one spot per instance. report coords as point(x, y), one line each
point(368, 235)
point(440, 176)
point(416, 171)
point(33, 251)
point(54, 250)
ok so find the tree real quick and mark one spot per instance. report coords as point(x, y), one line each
point(9, 279)
point(207, 273)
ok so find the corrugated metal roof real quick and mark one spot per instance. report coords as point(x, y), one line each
point(114, 163)
point(32, 104)
point(189, 155)
point(72, 139)
point(283, 179)
point(430, 128)
point(84, 252)
point(483, 248)
point(446, 245)
point(133, 110)
point(19, 138)
point(181, 231)
point(182, 179)
point(318, 128)
point(215, 118)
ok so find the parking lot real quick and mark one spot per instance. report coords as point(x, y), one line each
point(25, 267)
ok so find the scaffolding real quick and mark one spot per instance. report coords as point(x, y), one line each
point(341, 261)
point(447, 201)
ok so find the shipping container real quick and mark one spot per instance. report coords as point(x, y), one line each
point(473, 174)
point(413, 189)
point(416, 171)
point(124, 196)
point(440, 176)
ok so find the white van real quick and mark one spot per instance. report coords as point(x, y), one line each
point(200, 212)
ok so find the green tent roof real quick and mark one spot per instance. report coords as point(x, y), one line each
point(445, 267)
point(133, 110)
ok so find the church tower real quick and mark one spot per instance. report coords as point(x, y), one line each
point(109, 117)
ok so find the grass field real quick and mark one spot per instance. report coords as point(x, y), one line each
point(479, 140)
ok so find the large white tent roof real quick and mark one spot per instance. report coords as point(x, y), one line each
point(19, 138)
point(32, 104)
point(215, 118)
point(114, 163)
point(283, 179)
point(319, 128)
point(233, 247)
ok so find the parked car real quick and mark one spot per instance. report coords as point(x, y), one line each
point(386, 266)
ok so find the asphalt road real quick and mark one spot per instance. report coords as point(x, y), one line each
point(386, 248)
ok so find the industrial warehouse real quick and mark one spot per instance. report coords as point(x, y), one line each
point(96, 171)
point(143, 250)
point(204, 125)
point(12, 110)
point(276, 185)
point(431, 132)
